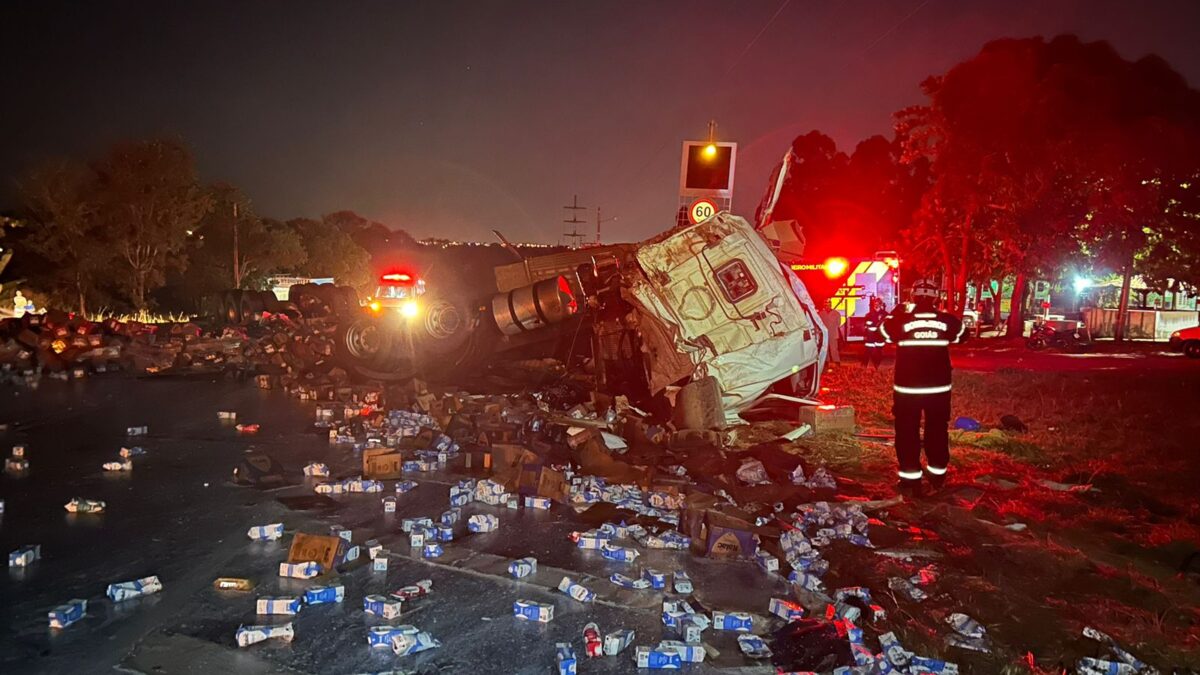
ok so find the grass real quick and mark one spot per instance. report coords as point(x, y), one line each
point(1107, 557)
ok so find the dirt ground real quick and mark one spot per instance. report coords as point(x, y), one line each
point(1110, 542)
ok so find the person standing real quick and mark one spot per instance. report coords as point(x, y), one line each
point(873, 340)
point(833, 327)
point(922, 386)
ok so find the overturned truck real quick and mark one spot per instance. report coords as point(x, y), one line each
point(706, 300)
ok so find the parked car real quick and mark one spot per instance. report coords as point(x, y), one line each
point(1187, 340)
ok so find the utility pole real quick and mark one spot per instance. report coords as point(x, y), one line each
point(237, 276)
point(601, 220)
point(574, 221)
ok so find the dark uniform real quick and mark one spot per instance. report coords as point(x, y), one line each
point(922, 386)
point(872, 339)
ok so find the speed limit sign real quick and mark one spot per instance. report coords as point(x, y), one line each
point(701, 210)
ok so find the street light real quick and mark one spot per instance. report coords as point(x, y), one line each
point(1081, 284)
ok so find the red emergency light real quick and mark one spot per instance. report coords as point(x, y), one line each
point(396, 276)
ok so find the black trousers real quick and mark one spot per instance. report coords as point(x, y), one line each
point(873, 356)
point(908, 409)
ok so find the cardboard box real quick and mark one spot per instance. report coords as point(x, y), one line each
point(542, 481)
point(507, 460)
point(328, 551)
point(829, 418)
point(718, 530)
point(727, 537)
point(382, 463)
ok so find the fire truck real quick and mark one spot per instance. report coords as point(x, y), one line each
point(851, 283)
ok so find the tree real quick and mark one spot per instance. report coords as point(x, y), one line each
point(846, 204)
point(332, 253)
point(1043, 150)
point(149, 199)
point(264, 246)
point(372, 236)
point(62, 200)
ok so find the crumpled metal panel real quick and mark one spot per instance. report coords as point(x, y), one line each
point(748, 334)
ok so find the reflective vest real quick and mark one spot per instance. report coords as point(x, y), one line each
point(922, 342)
point(871, 335)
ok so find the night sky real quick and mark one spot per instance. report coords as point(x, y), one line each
point(450, 119)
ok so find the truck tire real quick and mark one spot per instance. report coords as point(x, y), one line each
point(366, 348)
point(231, 302)
point(310, 299)
point(268, 301)
point(443, 326)
point(252, 307)
point(351, 297)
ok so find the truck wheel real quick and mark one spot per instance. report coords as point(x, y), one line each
point(350, 296)
point(252, 307)
point(231, 302)
point(444, 325)
point(369, 349)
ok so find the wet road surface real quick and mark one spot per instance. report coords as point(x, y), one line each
point(178, 516)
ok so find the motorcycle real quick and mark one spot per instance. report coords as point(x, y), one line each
point(1059, 335)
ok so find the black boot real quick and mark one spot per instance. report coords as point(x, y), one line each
point(936, 482)
point(910, 488)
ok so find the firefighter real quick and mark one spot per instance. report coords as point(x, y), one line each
point(872, 338)
point(833, 326)
point(922, 386)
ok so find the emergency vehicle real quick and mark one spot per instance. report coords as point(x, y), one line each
point(398, 292)
point(851, 283)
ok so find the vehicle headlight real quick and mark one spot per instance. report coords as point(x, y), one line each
point(409, 309)
point(1175, 335)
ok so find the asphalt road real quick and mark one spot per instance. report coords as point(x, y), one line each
point(178, 516)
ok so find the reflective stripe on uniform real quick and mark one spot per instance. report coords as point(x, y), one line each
point(883, 330)
point(961, 327)
point(921, 390)
point(924, 343)
point(910, 475)
point(874, 344)
point(935, 471)
point(925, 315)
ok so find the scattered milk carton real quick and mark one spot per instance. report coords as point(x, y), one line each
point(300, 570)
point(270, 532)
point(127, 590)
point(65, 615)
point(274, 605)
point(533, 611)
point(248, 635)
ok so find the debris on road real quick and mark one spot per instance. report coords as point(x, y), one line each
point(25, 556)
point(137, 588)
point(533, 611)
point(233, 584)
point(248, 635)
point(277, 605)
point(65, 615)
point(118, 466)
point(409, 640)
point(80, 505)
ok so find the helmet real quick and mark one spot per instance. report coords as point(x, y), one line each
point(925, 289)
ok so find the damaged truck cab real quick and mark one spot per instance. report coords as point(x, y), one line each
point(709, 299)
point(732, 309)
